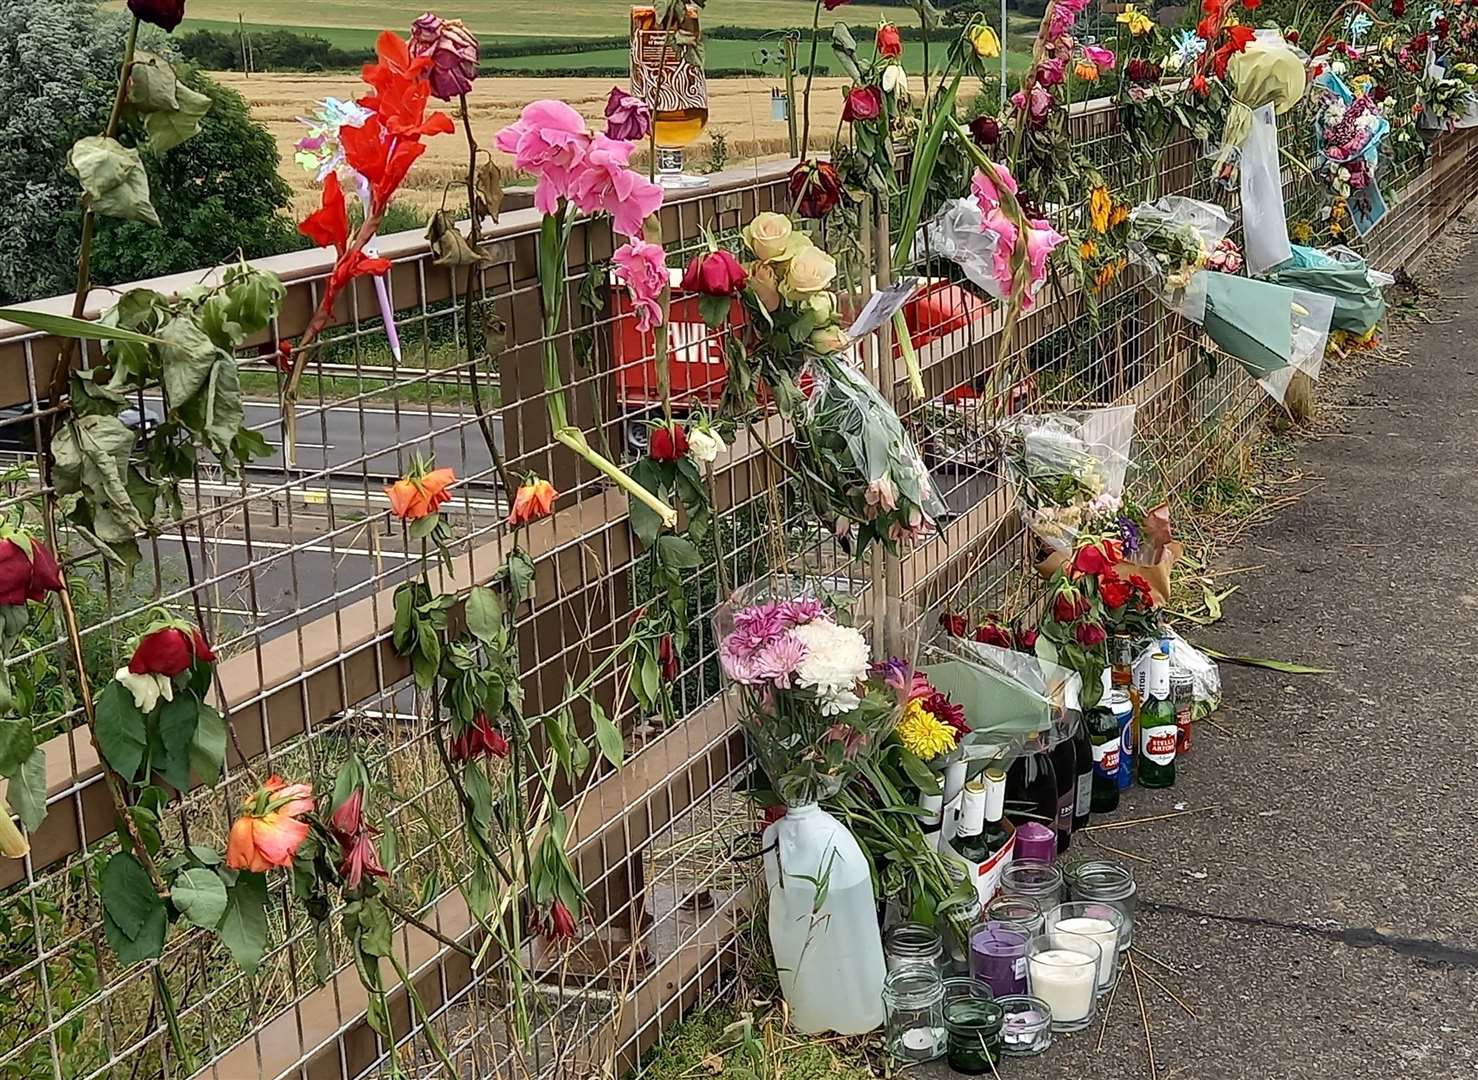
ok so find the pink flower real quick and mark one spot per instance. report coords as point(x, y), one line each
point(736, 665)
point(986, 186)
point(642, 268)
point(1041, 240)
point(997, 222)
point(627, 117)
point(606, 184)
point(777, 661)
point(1101, 58)
point(799, 612)
point(1041, 101)
point(1061, 22)
point(550, 140)
point(1051, 73)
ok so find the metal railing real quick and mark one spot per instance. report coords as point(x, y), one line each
point(294, 564)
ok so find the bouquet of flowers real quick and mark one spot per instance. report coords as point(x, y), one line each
point(1225, 257)
point(1175, 236)
point(818, 695)
point(1068, 467)
point(859, 466)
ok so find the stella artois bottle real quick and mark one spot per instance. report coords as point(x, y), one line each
point(1158, 734)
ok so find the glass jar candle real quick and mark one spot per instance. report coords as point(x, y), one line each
point(1017, 912)
point(1108, 883)
point(913, 1013)
point(998, 958)
point(1035, 842)
point(1101, 922)
point(913, 944)
point(1026, 1028)
point(1039, 881)
point(965, 986)
point(974, 1030)
point(1062, 970)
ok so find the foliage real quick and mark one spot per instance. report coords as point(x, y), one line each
point(272, 50)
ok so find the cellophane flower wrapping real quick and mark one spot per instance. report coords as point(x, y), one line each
point(821, 679)
point(1068, 467)
point(860, 467)
point(1173, 237)
point(955, 234)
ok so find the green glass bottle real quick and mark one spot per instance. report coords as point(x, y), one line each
point(1157, 730)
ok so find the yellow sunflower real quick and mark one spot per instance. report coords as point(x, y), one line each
point(923, 734)
point(1088, 249)
point(1100, 205)
point(1119, 216)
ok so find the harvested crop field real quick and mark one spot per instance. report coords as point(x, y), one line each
point(739, 108)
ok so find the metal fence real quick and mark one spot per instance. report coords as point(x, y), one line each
point(292, 566)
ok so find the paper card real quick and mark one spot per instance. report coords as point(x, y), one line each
point(882, 307)
point(1367, 208)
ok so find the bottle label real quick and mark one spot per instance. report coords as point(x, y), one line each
point(987, 875)
point(667, 70)
point(1157, 743)
point(1085, 794)
point(1065, 806)
point(1106, 760)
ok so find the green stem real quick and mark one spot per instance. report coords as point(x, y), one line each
point(810, 74)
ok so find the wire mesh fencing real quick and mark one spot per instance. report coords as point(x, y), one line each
point(291, 565)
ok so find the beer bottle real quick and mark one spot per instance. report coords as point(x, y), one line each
point(1157, 731)
point(1103, 731)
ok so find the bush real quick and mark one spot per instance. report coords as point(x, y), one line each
point(216, 194)
point(271, 50)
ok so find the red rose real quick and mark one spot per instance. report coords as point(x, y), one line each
point(1096, 558)
point(890, 41)
point(993, 633)
point(1026, 639)
point(1090, 634)
point(1142, 587)
point(165, 14)
point(1398, 8)
point(168, 651)
point(1067, 606)
point(667, 658)
point(23, 578)
point(715, 273)
point(668, 443)
point(815, 188)
point(953, 625)
point(832, 5)
point(1379, 94)
point(1441, 26)
point(863, 103)
point(1116, 592)
point(985, 130)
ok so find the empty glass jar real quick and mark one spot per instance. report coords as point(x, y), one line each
point(913, 1013)
point(974, 1027)
point(1034, 880)
point(912, 944)
point(1108, 883)
point(1018, 912)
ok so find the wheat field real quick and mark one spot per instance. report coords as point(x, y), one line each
point(739, 108)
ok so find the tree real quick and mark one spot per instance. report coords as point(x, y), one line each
point(218, 192)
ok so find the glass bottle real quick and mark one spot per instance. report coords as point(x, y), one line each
point(982, 832)
point(1103, 735)
point(1183, 696)
point(1083, 791)
point(667, 72)
point(1157, 731)
point(913, 1013)
point(1030, 784)
point(974, 1033)
point(913, 945)
point(1106, 883)
point(1063, 763)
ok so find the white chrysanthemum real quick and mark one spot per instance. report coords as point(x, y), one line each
point(836, 660)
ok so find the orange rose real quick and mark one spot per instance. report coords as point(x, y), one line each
point(271, 830)
point(534, 500)
point(420, 492)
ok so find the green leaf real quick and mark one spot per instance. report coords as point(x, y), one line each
point(128, 895)
point(16, 742)
point(557, 729)
point(480, 792)
point(177, 723)
point(920, 774)
point(243, 927)
point(224, 413)
point(168, 128)
point(607, 735)
point(92, 455)
point(26, 791)
point(188, 356)
point(1284, 666)
point(645, 521)
point(520, 573)
point(678, 553)
point(120, 730)
point(200, 896)
point(66, 326)
point(113, 178)
point(485, 615)
point(374, 929)
point(651, 678)
point(208, 745)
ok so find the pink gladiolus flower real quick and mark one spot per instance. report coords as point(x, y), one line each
point(985, 187)
point(1101, 58)
point(642, 268)
point(550, 140)
point(606, 184)
point(1061, 23)
point(1041, 240)
point(1041, 101)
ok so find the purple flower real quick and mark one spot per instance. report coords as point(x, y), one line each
point(799, 612)
point(627, 117)
point(735, 665)
point(1129, 535)
point(453, 52)
point(759, 623)
point(895, 673)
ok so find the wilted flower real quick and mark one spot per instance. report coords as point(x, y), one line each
point(1135, 21)
point(147, 689)
point(985, 130)
point(889, 41)
point(863, 103)
point(895, 80)
point(828, 340)
point(168, 651)
point(705, 445)
point(627, 116)
point(984, 41)
point(420, 492)
point(668, 443)
point(534, 500)
point(28, 570)
point(453, 52)
point(480, 740)
point(165, 14)
point(815, 188)
point(642, 268)
point(271, 830)
point(13, 845)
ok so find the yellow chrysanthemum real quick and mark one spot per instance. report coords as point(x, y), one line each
point(1135, 20)
point(1119, 216)
point(923, 734)
point(1100, 205)
point(1302, 232)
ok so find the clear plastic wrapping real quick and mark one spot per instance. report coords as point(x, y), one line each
point(1264, 221)
point(1067, 467)
point(1172, 237)
point(955, 234)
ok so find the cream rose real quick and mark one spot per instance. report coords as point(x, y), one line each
point(809, 272)
point(769, 236)
point(764, 282)
point(829, 339)
point(822, 307)
point(705, 446)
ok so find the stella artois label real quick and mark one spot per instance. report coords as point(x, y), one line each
point(1106, 757)
point(1157, 744)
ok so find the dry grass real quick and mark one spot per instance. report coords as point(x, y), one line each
point(740, 108)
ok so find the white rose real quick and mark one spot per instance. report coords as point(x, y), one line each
point(811, 270)
point(705, 446)
point(772, 237)
point(146, 689)
point(895, 80)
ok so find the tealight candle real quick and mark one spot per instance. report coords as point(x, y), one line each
point(1062, 970)
point(1102, 923)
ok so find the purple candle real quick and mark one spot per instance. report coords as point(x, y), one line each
point(998, 958)
point(1036, 841)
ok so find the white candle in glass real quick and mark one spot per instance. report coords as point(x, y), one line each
point(1066, 980)
point(1102, 932)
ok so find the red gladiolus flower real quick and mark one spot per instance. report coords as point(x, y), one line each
point(993, 633)
point(953, 625)
point(560, 925)
point(715, 273)
point(328, 226)
point(815, 188)
point(1090, 634)
point(271, 830)
point(1442, 26)
point(667, 658)
point(1200, 86)
point(27, 577)
point(1116, 592)
point(534, 500)
point(481, 740)
point(863, 103)
point(169, 651)
point(668, 443)
point(889, 41)
point(360, 857)
point(348, 819)
point(165, 14)
point(1067, 606)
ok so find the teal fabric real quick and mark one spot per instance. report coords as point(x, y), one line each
point(1250, 319)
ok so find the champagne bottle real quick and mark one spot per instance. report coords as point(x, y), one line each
point(1157, 730)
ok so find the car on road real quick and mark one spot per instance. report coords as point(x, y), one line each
point(18, 429)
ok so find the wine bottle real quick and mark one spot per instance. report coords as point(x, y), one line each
point(1157, 730)
point(1083, 797)
point(1064, 764)
point(1030, 785)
